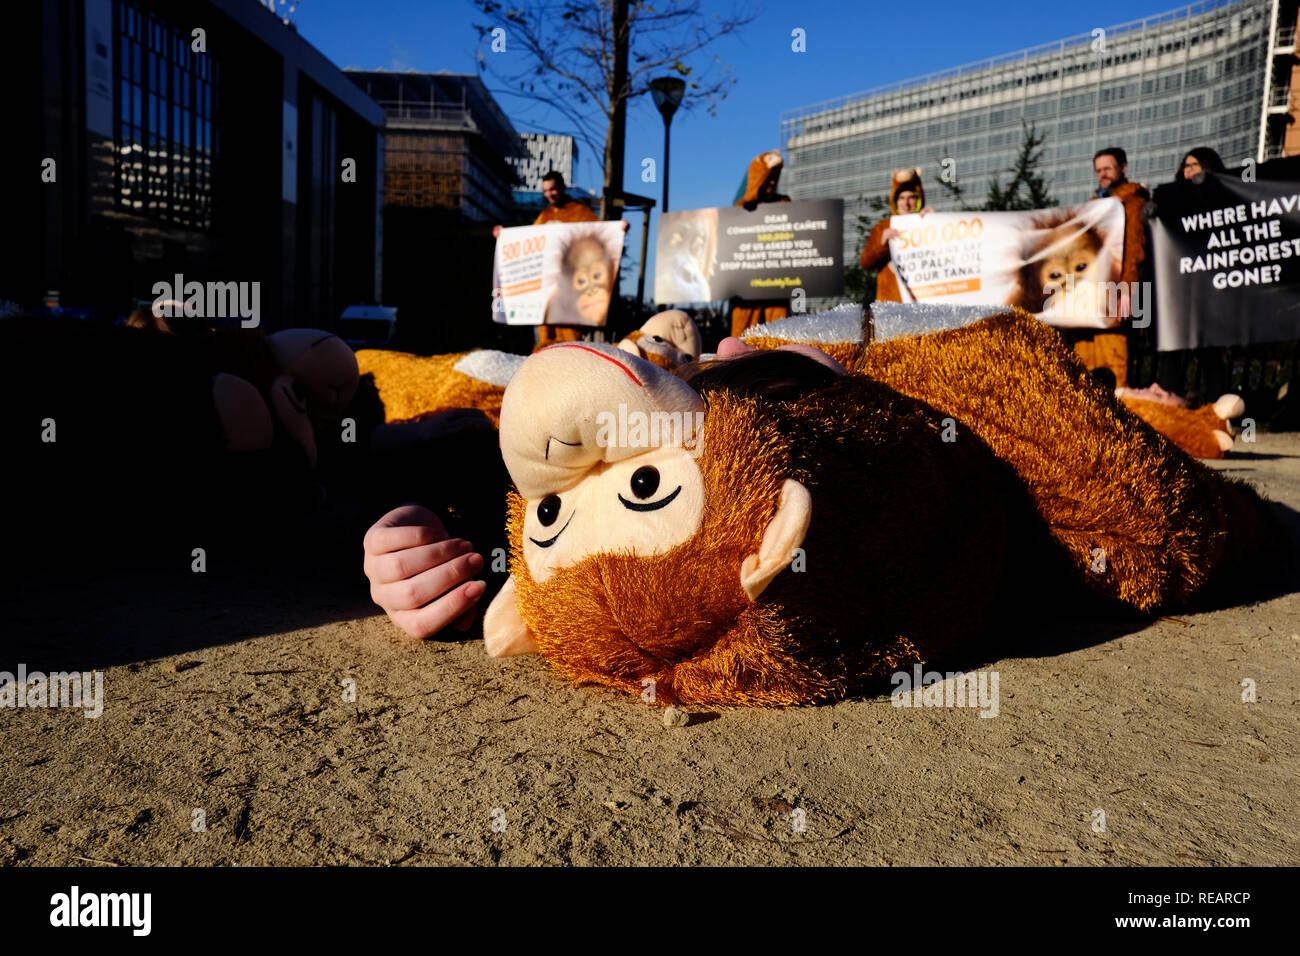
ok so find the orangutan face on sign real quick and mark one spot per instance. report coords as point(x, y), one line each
point(1063, 269)
point(590, 276)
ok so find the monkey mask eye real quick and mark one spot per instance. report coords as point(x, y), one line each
point(647, 504)
point(645, 482)
point(548, 510)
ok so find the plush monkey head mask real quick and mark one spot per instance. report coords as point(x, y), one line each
point(668, 339)
point(633, 544)
point(322, 366)
point(782, 534)
point(777, 537)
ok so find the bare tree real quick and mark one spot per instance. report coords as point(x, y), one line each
point(589, 60)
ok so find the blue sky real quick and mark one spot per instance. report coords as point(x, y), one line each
point(850, 47)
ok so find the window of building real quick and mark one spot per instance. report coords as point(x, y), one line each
point(165, 107)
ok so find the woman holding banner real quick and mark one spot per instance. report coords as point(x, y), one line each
point(1171, 367)
point(1202, 159)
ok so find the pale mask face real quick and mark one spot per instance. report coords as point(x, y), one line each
point(644, 505)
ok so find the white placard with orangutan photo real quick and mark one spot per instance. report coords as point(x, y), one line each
point(557, 274)
point(1061, 265)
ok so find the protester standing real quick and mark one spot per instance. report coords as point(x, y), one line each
point(1171, 367)
point(1107, 349)
point(760, 187)
point(905, 196)
point(560, 207)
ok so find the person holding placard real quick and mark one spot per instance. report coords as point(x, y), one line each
point(560, 207)
point(905, 196)
point(1104, 349)
point(1171, 367)
point(760, 187)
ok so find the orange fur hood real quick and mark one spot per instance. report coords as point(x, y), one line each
point(906, 179)
point(762, 168)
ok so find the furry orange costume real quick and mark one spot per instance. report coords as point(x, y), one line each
point(699, 562)
point(1103, 349)
point(875, 251)
point(1202, 432)
point(762, 168)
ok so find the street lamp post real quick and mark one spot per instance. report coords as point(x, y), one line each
point(667, 91)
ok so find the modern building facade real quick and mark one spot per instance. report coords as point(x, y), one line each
point(447, 143)
point(448, 179)
point(1196, 76)
point(546, 152)
point(204, 138)
point(1279, 134)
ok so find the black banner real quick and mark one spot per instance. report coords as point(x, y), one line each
point(705, 255)
point(304, 908)
point(1227, 258)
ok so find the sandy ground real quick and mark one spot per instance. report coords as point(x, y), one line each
point(225, 705)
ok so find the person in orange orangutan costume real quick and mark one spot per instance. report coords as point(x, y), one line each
point(560, 207)
point(905, 196)
point(760, 187)
point(1106, 348)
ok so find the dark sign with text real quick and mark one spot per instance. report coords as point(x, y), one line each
point(704, 255)
point(1227, 258)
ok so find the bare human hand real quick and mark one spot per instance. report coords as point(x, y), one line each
point(889, 233)
point(421, 577)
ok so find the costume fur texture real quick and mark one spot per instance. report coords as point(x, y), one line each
point(416, 387)
point(1201, 432)
point(1198, 431)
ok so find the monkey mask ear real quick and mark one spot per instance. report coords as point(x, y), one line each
point(504, 632)
point(784, 534)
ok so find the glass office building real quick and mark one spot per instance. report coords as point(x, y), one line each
point(1195, 76)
